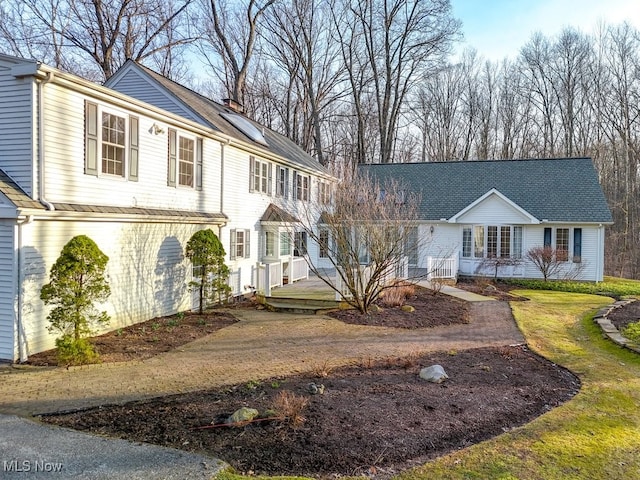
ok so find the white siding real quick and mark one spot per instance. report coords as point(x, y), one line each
point(17, 98)
point(147, 271)
point(444, 241)
point(67, 183)
point(591, 251)
point(7, 292)
point(493, 210)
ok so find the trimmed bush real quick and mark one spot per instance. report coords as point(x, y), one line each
point(77, 281)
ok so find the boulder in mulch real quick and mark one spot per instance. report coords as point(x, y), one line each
point(434, 373)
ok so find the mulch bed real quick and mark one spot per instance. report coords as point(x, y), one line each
point(373, 419)
point(146, 339)
point(431, 309)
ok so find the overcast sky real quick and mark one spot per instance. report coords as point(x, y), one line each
point(498, 28)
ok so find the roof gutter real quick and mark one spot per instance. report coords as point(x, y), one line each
point(41, 155)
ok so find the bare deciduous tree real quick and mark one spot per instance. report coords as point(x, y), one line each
point(364, 235)
point(69, 33)
point(231, 29)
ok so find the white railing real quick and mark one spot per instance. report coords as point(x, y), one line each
point(442, 267)
point(299, 269)
point(234, 282)
point(396, 271)
point(269, 275)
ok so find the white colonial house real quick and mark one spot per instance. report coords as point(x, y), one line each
point(477, 216)
point(138, 165)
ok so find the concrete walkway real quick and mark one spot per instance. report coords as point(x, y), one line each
point(261, 345)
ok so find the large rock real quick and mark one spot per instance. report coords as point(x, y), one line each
point(434, 373)
point(244, 414)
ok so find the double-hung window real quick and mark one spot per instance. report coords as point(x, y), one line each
point(239, 244)
point(300, 244)
point(323, 237)
point(285, 244)
point(301, 186)
point(324, 193)
point(562, 244)
point(260, 176)
point(111, 142)
point(185, 160)
point(282, 182)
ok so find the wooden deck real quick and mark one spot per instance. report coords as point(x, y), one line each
point(310, 289)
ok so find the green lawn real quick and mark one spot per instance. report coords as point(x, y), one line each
point(594, 436)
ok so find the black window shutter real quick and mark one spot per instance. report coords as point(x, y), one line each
point(577, 245)
point(91, 138)
point(547, 237)
point(134, 146)
point(252, 171)
point(270, 179)
point(171, 174)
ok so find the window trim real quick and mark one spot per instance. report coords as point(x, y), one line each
point(282, 182)
point(93, 141)
point(233, 244)
point(301, 192)
point(263, 176)
point(174, 160)
point(492, 238)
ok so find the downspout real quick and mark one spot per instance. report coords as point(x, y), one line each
point(41, 156)
point(22, 337)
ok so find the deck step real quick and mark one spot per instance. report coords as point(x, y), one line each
point(300, 305)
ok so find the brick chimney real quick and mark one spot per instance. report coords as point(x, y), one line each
point(233, 105)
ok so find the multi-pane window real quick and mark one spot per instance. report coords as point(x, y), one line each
point(505, 242)
point(324, 243)
point(302, 187)
point(113, 144)
point(517, 242)
point(259, 176)
point(186, 160)
point(282, 182)
point(300, 244)
point(269, 244)
point(478, 241)
point(501, 241)
point(562, 244)
point(466, 242)
point(324, 193)
point(285, 243)
point(239, 244)
point(492, 241)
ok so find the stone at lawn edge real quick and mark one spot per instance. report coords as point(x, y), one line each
point(434, 373)
point(407, 308)
point(244, 414)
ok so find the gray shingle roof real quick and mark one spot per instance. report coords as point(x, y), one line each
point(15, 194)
point(558, 190)
point(210, 111)
point(153, 212)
